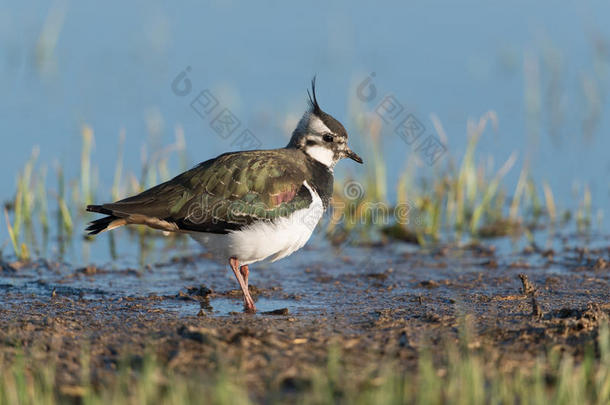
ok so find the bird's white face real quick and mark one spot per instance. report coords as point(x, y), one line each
point(320, 136)
point(321, 143)
point(318, 143)
point(322, 155)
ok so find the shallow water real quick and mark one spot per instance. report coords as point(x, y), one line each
point(545, 75)
point(319, 279)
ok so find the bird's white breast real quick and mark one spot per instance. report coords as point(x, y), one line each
point(271, 240)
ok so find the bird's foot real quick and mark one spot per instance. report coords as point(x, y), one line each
point(241, 274)
point(249, 307)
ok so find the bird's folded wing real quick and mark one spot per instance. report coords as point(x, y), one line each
point(224, 194)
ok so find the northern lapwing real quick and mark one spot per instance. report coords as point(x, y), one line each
point(246, 206)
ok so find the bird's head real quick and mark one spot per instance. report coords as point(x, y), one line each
point(320, 135)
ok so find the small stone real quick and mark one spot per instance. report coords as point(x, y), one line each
point(429, 284)
point(281, 311)
point(492, 264)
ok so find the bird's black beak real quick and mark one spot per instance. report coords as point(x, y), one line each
point(352, 155)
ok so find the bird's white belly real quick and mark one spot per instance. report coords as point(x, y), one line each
point(271, 240)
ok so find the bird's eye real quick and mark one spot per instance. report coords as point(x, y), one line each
point(328, 138)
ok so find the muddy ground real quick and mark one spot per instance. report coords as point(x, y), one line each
point(376, 305)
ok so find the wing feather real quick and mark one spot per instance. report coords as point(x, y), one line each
point(224, 194)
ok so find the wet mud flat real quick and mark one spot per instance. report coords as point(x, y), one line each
point(373, 305)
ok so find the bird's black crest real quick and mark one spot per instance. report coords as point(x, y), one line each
point(313, 102)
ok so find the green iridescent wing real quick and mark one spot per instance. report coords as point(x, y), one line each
point(225, 193)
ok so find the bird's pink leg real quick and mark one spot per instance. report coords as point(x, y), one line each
point(243, 283)
point(244, 272)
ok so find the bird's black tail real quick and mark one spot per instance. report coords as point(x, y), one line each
point(102, 224)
